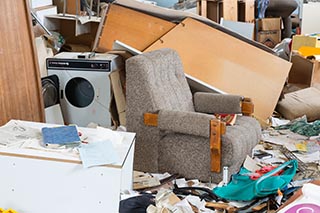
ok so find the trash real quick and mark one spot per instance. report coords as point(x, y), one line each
point(136, 204)
point(283, 49)
point(243, 188)
point(55, 41)
point(302, 127)
point(262, 7)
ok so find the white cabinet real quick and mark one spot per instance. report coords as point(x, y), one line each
point(35, 181)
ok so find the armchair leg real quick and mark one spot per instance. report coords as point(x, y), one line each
point(217, 128)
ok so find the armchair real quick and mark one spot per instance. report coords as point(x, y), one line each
point(177, 131)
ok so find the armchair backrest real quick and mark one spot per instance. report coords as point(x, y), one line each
point(157, 80)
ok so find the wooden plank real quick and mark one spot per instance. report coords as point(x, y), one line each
point(20, 86)
point(131, 27)
point(227, 63)
point(73, 7)
point(230, 10)
point(249, 11)
point(204, 8)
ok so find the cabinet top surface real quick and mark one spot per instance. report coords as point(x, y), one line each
point(28, 143)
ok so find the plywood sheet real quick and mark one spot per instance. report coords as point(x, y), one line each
point(131, 27)
point(228, 63)
point(20, 86)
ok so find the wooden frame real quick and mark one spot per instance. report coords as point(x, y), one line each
point(131, 27)
point(233, 10)
point(20, 84)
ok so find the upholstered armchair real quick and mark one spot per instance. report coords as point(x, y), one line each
point(176, 131)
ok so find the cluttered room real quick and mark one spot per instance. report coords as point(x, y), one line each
point(160, 106)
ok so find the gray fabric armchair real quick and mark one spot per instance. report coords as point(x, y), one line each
point(177, 131)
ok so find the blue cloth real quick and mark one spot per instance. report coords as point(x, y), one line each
point(262, 7)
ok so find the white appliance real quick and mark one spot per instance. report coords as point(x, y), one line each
point(84, 85)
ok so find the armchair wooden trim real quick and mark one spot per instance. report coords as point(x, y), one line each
point(150, 119)
point(217, 128)
point(247, 107)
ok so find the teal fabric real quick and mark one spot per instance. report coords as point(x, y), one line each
point(242, 188)
point(302, 127)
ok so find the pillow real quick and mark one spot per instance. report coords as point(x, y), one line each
point(299, 103)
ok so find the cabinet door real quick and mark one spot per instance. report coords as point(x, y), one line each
point(20, 83)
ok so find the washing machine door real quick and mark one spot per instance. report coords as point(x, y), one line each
point(50, 90)
point(79, 92)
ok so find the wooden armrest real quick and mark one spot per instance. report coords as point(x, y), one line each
point(150, 119)
point(217, 128)
point(247, 107)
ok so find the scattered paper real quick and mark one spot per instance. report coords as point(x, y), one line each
point(250, 164)
point(278, 122)
point(98, 153)
point(309, 158)
point(14, 134)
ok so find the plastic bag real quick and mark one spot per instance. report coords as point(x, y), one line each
point(242, 188)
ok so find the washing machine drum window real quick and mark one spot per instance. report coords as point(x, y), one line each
point(49, 92)
point(79, 92)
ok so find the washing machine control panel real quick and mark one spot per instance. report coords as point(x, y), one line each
point(103, 62)
point(78, 64)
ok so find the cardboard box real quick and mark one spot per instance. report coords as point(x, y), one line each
point(118, 87)
point(304, 71)
point(269, 38)
point(300, 40)
point(268, 24)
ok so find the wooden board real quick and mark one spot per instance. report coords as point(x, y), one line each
point(20, 86)
point(228, 63)
point(249, 11)
point(230, 10)
point(131, 27)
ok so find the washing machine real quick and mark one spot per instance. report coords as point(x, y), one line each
point(84, 85)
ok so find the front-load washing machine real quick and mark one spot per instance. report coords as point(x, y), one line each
point(84, 85)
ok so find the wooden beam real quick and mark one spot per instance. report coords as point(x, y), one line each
point(203, 8)
point(230, 10)
point(229, 208)
point(249, 11)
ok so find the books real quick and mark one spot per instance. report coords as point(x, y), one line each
point(229, 119)
point(59, 136)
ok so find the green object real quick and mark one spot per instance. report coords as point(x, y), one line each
point(242, 188)
point(302, 127)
